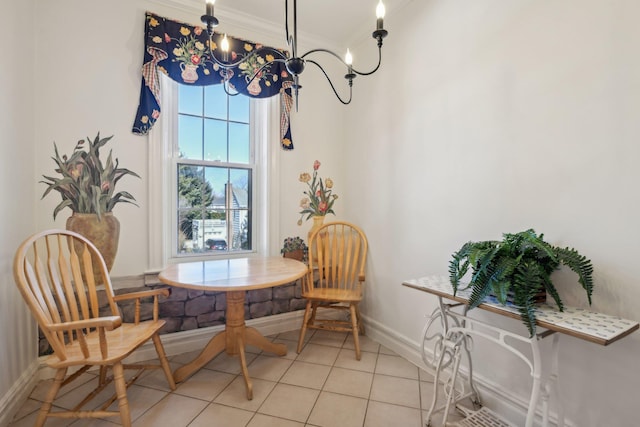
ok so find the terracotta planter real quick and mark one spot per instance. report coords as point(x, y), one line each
point(104, 234)
point(297, 254)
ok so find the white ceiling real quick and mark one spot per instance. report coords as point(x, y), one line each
point(336, 21)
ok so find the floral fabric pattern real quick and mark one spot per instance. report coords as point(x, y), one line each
point(182, 52)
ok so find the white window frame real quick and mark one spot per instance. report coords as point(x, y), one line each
point(162, 181)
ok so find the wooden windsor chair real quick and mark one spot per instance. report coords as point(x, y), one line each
point(335, 279)
point(54, 271)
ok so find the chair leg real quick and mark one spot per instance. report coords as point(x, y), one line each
point(121, 392)
point(102, 376)
point(354, 327)
point(303, 329)
point(163, 361)
point(51, 395)
point(312, 319)
point(360, 324)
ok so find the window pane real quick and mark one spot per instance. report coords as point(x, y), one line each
point(189, 231)
point(239, 143)
point(239, 108)
point(215, 102)
point(240, 184)
point(215, 140)
point(215, 231)
point(217, 179)
point(190, 137)
point(190, 100)
point(193, 190)
point(240, 229)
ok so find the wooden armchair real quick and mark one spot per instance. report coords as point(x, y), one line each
point(54, 272)
point(335, 280)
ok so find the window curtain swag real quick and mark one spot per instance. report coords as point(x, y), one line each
point(182, 52)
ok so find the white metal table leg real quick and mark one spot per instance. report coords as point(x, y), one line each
point(536, 373)
point(554, 379)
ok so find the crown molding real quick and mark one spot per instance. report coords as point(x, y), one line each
point(249, 24)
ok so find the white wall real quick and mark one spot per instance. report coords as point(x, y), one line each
point(492, 117)
point(18, 337)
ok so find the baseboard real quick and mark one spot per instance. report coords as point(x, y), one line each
point(19, 392)
point(493, 395)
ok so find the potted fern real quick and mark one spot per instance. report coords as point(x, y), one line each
point(518, 268)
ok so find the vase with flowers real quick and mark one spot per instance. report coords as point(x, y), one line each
point(319, 198)
point(318, 201)
point(87, 187)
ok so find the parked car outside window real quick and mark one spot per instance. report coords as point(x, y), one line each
point(216, 245)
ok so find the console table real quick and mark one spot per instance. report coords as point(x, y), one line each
point(451, 333)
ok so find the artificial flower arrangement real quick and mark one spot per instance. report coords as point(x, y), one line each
point(294, 247)
point(86, 185)
point(318, 200)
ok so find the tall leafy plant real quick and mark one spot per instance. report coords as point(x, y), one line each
point(86, 185)
point(520, 265)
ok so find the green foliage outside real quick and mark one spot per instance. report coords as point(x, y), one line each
point(198, 194)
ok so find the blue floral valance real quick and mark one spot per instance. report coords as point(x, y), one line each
point(182, 52)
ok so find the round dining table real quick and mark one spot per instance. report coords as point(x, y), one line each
point(234, 276)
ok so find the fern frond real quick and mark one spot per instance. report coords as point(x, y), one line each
point(481, 257)
point(459, 265)
point(528, 281)
point(580, 265)
point(551, 290)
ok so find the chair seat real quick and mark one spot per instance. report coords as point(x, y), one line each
point(121, 342)
point(332, 294)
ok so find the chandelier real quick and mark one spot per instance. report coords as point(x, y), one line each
point(293, 60)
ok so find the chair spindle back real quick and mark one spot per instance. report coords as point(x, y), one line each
point(54, 272)
point(338, 252)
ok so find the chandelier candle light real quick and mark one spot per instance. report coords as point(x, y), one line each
point(295, 62)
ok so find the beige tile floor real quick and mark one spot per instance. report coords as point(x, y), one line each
point(323, 386)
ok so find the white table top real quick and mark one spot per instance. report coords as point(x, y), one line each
point(588, 325)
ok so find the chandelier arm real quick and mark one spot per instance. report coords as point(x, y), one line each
point(262, 67)
point(253, 77)
point(227, 65)
point(331, 83)
point(360, 73)
point(224, 87)
point(324, 51)
point(368, 73)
